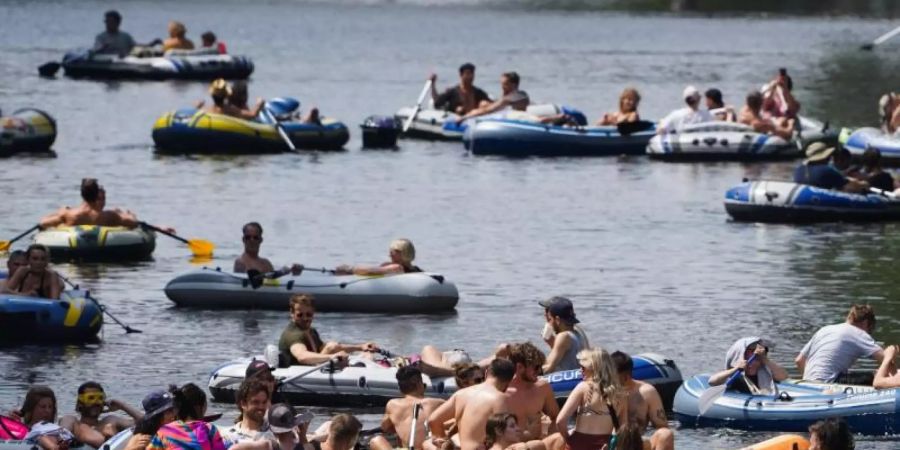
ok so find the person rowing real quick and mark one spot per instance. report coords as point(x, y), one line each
point(114, 41)
point(92, 211)
point(513, 98)
point(816, 170)
point(252, 237)
point(759, 375)
point(462, 98)
point(401, 252)
point(831, 352)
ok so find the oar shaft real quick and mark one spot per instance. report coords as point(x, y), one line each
point(418, 107)
point(24, 233)
point(884, 37)
point(280, 128)
point(160, 230)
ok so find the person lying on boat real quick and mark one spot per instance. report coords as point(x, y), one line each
point(92, 211)
point(401, 252)
point(38, 412)
point(816, 171)
point(300, 344)
point(88, 426)
point(889, 112)
point(717, 107)
point(759, 376)
point(36, 279)
point(831, 434)
point(751, 114)
point(252, 237)
point(835, 348)
point(177, 39)
point(113, 40)
point(628, 105)
point(690, 114)
point(398, 413)
point(462, 98)
point(512, 98)
point(208, 40)
point(16, 259)
point(645, 406)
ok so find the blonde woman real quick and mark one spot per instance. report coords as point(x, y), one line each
point(597, 403)
point(628, 104)
point(220, 92)
point(402, 253)
point(177, 39)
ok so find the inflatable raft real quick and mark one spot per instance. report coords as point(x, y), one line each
point(72, 318)
point(199, 65)
point(90, 242)
point(858, 141)
point(786, 202)
point(783, 442)
point(26, 130)
point(406, 293)
point(441, 125)
point(793, 409)
point(365, 383)
point(520, 138)
point(193, 131)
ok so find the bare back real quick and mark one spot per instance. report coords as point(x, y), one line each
point(528, 401)
point(399, 412)
point(474, 405)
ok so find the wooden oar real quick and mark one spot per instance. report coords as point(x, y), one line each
point(199, 247)
point(418, 107)
point(881, 39)
point(709, 397)
point(4, 245)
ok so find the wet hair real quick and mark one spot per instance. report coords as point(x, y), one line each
point(512, 77)
point(623, 362)
point(495, 426)
point(208, 36)
point(715, 95)
point(526, 354)
point(252, 224)
point(629, 438)
point(408, 378)
point(859, 313)
point(754, 101)
point(113, 14)
point(463, 371)
point(405, 248)
point(189, 401)
point(249, 388)
point(299, 300)
point(833, 434)
point(177, 28)
point(32, 398)
point(39, 247)
point(502, 369)
point(344, 429)
point(604, 376)
point(871, 158)
point(630, 92)
point(467, 66)
point(89, 385)
point(90, 189)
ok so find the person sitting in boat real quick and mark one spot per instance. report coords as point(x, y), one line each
point(220, 93)
point(92, 211)
point(115, 41)
point(513, 98)
point(831, 434)
point(89, 427)
point(567, 338)
point(208, 41)
point(717, 107)
point(462, 98)
point(35, 279)
point(751, 114)
point(889, 112)
point(238, 97)
point(177, 39)
point(688, 115)
point(38, 412)
point(402, 254)
point(16, 259)
point(250, 259)
point(872, 173)
point(835, 348)
point(816, 171)
point(159, 410)
point(779, 102)
point(398, 417)
point(759, 376)
point(467, 374)
point(628, 105)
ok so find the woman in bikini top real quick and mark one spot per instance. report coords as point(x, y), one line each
point(597, 403)
point(36, 279)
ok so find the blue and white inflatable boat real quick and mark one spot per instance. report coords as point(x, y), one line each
point(366, 383)
point(72, 318)
point(858, 141)
point(786, 202)
point(181, 65)
point(794, 408)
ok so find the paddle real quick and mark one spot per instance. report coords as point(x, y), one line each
point(294, 378)
point(199, 247)
point(128, 329)
point(4, 245)
point(415, 421)
point(418, 107)
point(882, 192)
point(881, 39)
point(280, 128)
point(714, 392)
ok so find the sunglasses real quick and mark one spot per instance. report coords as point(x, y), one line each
point(92, 399)
point(306, 314)
point(249, 237)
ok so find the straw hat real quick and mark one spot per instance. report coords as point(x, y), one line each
point(818, 151)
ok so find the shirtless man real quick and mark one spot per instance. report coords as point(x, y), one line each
point(92, 212)
point(398, 414)
point(90, 428)
point(250, 259)
point(462, 98)
point(472, 406)
point(530, 395)
point(645, 406)
point(751, 114)
point(512, 97)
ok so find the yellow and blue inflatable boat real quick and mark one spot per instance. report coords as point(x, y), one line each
point(26, 130)
point(194, 131)
point(72, 318)
point(96, 243)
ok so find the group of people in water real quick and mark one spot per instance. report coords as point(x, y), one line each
point(114, 41)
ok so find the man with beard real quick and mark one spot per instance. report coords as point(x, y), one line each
point(398, 414)
point(253, 400)
point(645, 406)
point(529, 395)
point(568, 339)
point(89, 427)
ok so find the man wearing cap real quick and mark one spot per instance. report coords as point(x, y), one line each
point(288, 426)
point(398, 413)
point(462, 98)
point(515, 99)
point(816, 171)
point(685, 116)
point(567, 340)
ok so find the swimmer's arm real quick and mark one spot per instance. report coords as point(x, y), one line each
point(441, 415)
point(68, 422)
point(561, 346)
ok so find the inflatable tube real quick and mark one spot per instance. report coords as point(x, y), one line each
point(200, 66)
point(783, 442)
point(365, 383)
point(520, 138)
point(95, 243)
point(859, 141)
point(26, 130)
point(405, 293)
point(72, 318)
point(193, 131)
point(794, 409)
point(786, 202)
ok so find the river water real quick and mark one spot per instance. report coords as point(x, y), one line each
point(644, 249)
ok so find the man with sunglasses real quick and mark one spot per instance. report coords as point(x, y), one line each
point(300, 343)
point(398, 413)
point(250, 259)
point(835, 348)
point(89, 428)
point(530, 396)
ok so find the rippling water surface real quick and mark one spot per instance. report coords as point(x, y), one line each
point(644, 248)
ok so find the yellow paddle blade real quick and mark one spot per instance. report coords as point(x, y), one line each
point(201, 260)
point(201, 247)
point(4, 245)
